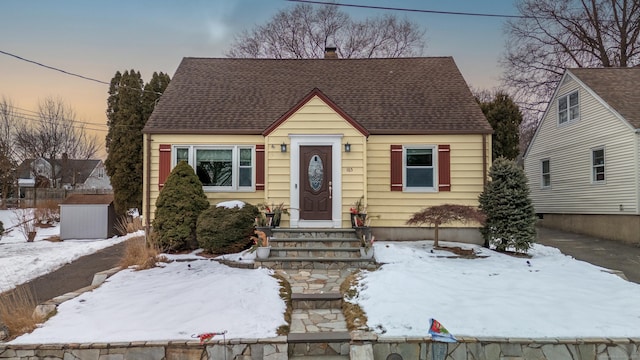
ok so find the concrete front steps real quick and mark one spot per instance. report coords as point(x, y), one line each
point(323, 249)
point(318, 328)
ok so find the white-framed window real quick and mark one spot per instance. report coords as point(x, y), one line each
point(220, 168)
point(419, 168)
point(568, 108)
point(545, 167)
point(598, 165)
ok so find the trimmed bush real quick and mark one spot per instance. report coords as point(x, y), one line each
point(177, 209)
point(510, 216)
point(224, 231)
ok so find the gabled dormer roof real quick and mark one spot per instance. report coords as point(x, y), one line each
point(618, 87)
point(384, 96)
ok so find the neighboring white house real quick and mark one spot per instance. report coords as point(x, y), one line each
point(583, 162)
point(65, 173)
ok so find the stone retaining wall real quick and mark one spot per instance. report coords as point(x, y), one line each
point(243, 349)
point(508, 349)
point(362, 348)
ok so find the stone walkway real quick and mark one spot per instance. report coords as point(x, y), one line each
point(318, 326)
point(316, 282)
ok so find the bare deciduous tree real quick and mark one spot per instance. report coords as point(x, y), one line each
point(559, 34)
point(303, 32)
point(8, 123)
point(55, 132)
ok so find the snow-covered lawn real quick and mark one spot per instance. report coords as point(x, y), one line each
point(21, 261)
point(549, 295)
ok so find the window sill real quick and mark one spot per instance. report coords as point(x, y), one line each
point(420, 190)
point(210, 190)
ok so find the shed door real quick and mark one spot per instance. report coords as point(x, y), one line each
point(316, 183)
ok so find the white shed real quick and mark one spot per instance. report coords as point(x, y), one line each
point(87, 216)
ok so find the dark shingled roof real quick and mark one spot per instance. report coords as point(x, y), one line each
point(385, 96)
point(93, 199)
point(619, 87)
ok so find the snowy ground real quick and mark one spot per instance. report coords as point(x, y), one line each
point(551, 296)
point(21, 261)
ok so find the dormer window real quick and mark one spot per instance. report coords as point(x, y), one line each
point(568, 108)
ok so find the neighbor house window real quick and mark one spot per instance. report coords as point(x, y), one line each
point(568, 108)
point(228, 168)
point(597, 165)
point(419, 168)
point(546, 173)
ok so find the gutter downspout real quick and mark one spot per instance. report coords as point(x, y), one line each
point(147, 190)
point(484, 160)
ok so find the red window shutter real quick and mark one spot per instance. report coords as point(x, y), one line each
point(260, 167)
point(444, 168)
point(396, 167)
point(165, 164)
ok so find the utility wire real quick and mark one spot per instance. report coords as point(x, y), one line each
point(36, 114)
point(412, 10)
point(53, 68)
point(70, 73)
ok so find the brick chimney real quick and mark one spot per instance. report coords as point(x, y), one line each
point(330, 52)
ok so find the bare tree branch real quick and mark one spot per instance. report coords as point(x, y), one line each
point(305, 31)
point(557, 34)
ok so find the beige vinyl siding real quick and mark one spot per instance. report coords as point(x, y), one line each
point(316, 118)
point(253, 197)
point(393, 208)
point(568, 148)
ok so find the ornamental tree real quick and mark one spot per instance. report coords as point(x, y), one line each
point(510, 216)
point(177, 209)
point(444, 214)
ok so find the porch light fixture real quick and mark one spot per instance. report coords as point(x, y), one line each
point(347, 147)
point(283, 147)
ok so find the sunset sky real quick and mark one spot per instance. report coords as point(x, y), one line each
point(98, 38)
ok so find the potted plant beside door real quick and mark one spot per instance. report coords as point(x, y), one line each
point(260, 244)
point(366, 245)
point(358, 213)
point(274, 213)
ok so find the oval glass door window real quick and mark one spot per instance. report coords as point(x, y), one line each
point(316, 172)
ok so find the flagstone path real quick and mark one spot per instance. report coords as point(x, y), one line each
point(318, 283)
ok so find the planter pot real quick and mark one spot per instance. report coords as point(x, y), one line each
point(263, 252)
point(366, 253)
point(358, 220)
point(273, 219)
point(31, 236)
point(265, 229)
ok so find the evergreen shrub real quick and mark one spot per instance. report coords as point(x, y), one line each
point(224, 230)
point(510, 216)
point(177, 209)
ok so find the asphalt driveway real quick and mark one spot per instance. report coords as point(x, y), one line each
point(610, 254)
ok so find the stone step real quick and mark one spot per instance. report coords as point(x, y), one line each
point(318, 321)
point(315, 263)
point(316, 301)
point(312, 233)
point(320, 357)
point(315, 252)
point(297, 242)
point(319, 344)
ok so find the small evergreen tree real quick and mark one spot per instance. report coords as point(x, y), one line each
point(177, 209)
point(505, 118)
point(223, 231)
point(510, 216)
